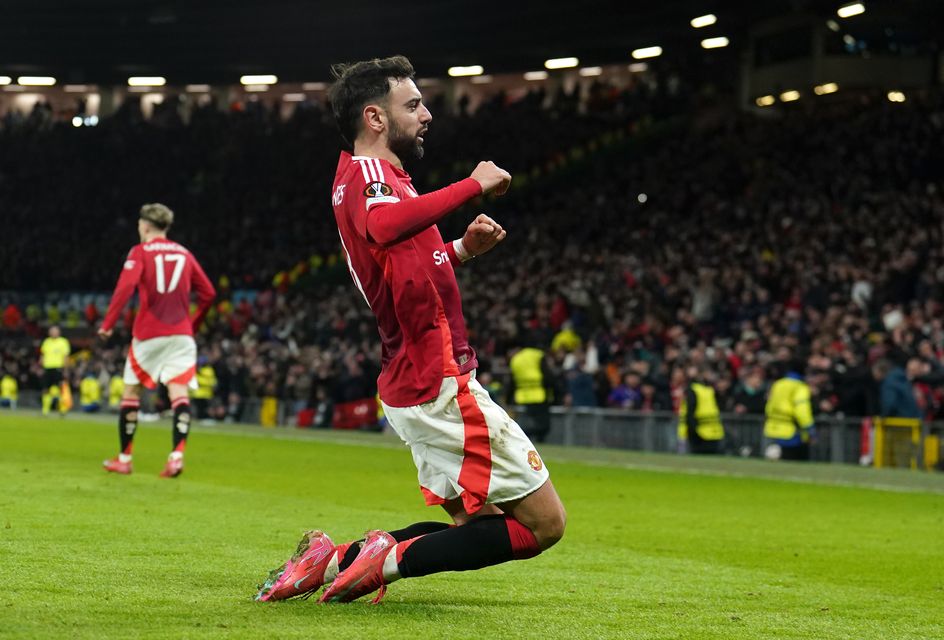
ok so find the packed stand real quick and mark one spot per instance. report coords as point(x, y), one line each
point(727, 241)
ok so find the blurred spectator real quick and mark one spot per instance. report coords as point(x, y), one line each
point(750, 393)
point(896, 393)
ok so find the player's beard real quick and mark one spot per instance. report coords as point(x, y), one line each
point(406, 146)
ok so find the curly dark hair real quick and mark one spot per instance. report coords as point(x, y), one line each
point(359, 83)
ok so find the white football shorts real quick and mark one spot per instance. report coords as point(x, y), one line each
point(162, 360)
point(465, 445)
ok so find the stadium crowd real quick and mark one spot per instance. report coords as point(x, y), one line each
point(641, 244)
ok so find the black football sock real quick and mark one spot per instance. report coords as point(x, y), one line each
point(181, 423)
point(400, 535)
point(127, 423)
point(482, 542)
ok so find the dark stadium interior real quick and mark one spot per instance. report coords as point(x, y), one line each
point(655, 223)
point(216, 41)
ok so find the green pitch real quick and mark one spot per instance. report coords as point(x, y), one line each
point(740, 549)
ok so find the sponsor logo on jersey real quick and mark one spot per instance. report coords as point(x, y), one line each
point(378, 190)
point(534, 460)
point(440, 257)
point(129, 265)
point(338, 195)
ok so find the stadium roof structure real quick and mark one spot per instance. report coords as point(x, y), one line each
point(217, 41)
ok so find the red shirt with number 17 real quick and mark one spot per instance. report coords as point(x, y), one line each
point(164, 273)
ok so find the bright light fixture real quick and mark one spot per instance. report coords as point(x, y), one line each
point(714, 43)
point(823, 89)
point(259, 79)
point(832, 25)
point(561, 63)
point(647, 52)
point(147, 81)
point(471, 70)
point(896, 96)
point(36, 81)
point(256, 87)
point(587, 72)
point(765, 101)
point(535, 75)
point(5, 80)
point(850, 10)
point(704, 21)
point(77, 121)
point(790, 96)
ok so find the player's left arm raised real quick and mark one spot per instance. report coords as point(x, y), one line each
point(480, 237)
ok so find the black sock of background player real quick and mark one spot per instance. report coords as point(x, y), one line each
point(181, 423)
point(127, 423)
point(412, 531)
point(484, 541)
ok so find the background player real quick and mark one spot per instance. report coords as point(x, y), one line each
point(471, 457)
point(162, 349)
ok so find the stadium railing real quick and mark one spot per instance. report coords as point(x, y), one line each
point(838, 439)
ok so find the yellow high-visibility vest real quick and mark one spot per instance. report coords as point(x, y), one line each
point(707, 416)
point(55, 351)
point(9, 389)
point(206, 383)
point(116, 388)
point(529, 379)
point(90, 392)
point(788, 408)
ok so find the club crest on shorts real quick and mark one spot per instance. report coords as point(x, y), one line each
point(535, 460)
point(378, 190)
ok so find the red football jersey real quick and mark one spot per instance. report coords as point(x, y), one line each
point(405, 274)
point(164, 273)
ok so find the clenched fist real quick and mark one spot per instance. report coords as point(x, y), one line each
point(492, 178)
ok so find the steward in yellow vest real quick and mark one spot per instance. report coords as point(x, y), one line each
point(9, 391)
point(206, 388)
point(116, 388)
point(90, 394)
point(529, 382)
point(700, 419)
point(789, 422)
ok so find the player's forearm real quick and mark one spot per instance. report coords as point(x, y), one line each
point(203, 307)
point(199, 317)
point(118, 301)
point(391, 223)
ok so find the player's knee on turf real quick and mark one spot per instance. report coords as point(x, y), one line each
point(550, 529)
